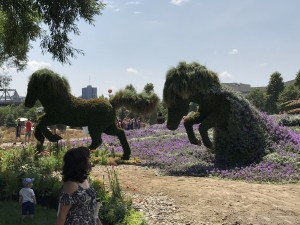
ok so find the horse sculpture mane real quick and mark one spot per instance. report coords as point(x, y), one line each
point(51, 83)
point(98, 114)
point(188, 80)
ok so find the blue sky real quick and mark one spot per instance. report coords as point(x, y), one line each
point(136, 42)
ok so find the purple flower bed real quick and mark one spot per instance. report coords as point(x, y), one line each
point(282, 164)
point(171, 152)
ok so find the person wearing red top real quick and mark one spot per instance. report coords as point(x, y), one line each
point(28, 127)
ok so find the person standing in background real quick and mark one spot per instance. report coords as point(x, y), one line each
point(28, 128)
point(18, 130)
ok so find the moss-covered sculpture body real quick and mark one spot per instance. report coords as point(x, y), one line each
point(61, 107)
point(240, 136)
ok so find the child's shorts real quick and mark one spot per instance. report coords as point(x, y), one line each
point(27, 208)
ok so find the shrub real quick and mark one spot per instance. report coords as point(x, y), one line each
point(18, 163)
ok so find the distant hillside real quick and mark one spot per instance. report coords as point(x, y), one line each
point(246, 88)
point(288, 83)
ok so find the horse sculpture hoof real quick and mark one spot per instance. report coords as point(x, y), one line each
point(39, 147)
point(125, 157)
point(196, 142)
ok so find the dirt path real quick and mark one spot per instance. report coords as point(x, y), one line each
point(199, 201)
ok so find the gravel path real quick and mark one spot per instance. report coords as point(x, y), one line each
point(179, 200)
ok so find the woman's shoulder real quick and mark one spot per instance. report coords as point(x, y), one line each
point(70, 187)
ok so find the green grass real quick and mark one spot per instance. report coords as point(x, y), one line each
point(10, 214)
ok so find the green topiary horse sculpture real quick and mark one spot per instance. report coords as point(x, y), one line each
point(240, 135)
point(99, 115)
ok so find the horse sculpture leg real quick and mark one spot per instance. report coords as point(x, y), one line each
point(115, 131)
point(40, 137)
point(188, 122)
point(42, 126)
point(206, 124)
point(96, 140)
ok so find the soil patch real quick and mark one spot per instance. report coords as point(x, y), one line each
point(186, 200)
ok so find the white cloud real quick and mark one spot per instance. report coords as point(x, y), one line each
point(263, 64)
point(178, 2)
point(225, 76)
point(35, 65)
point(133, 3)
point(131, 71)
point(136, 13)
point(233, 52)
point(110, 4)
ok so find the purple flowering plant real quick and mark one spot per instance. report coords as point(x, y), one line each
point(171, 153)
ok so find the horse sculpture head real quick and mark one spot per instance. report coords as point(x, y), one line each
point(45, 84)
point(31, 96)
point(183, 83)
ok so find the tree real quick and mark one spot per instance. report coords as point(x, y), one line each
point(5, 80)
point(274, 88)
point(258, 98)
point(297, 80)
point(148, 87)
point(290, 92)
point(23, 21)
point(130, 87)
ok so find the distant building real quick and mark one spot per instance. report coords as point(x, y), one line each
point(89, 92)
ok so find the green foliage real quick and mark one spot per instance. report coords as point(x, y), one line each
point(289, 98)
point(289, 93)
point(297, 80)
point(257, 98)
point(274, 88)
point(10, 120)
point(114, 209)
point(148, 88)
point(23, 21)
point(277, 158)
point(288, 120)
point(9, 114)
point(18, 163)
point(134, 218)
point(144, 103)
point(131, 88)
point(4, 112)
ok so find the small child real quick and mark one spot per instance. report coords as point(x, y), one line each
point(27, 198)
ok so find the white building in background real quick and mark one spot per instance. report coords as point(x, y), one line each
point(89, 92)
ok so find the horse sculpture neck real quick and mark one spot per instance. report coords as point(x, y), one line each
point(52, 103)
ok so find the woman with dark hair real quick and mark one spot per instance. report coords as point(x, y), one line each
point(77, 200)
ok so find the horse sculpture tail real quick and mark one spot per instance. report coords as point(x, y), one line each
point(144, 102)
